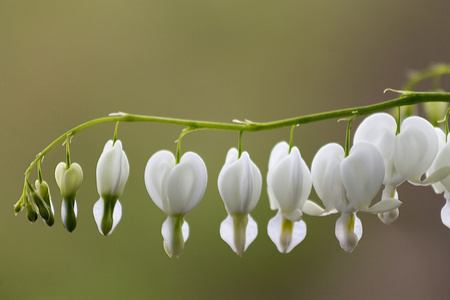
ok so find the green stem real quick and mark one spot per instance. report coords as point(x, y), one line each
point(115, 132)
point(406, 98)
point(68, 154)
point(240, 144)
point(446, 124)
point(291, 138)
point(434, 72)
point(347, 135)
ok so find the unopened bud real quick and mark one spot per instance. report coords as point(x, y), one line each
point(69, 180)
point(42, 199)
point(31, 213)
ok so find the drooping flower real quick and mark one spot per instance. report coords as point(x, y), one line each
point(348, 184)
point(439, 174)
point(69, 180)
point(112, 174)
point(288, 185)
point(239, 186)
point(176, 189)
point(407, 155)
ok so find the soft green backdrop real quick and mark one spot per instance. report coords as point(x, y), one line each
point(65, 62)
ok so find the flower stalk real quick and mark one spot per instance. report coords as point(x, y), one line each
point(406, 98)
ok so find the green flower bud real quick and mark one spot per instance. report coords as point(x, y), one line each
point(42, 199)
point(69, 180)
point(31, 213)
point(18, 207)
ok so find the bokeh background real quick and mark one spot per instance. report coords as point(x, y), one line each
point(66, 62)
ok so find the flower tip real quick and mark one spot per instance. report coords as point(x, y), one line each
point(238, 231)
point(389, 216)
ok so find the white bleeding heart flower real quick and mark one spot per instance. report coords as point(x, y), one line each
point(288, 185)
point(176, 189)
point(407, 155)
point(69, 180)
point(239, 186)
point(348, 184)
point(440, 171)
point(112, 174)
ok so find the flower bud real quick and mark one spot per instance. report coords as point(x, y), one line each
point(42, 199)
point(69, 180)
point(31, 213)
point(112, 174)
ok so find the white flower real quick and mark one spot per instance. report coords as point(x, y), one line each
point(348, 184)
point(112, 174)
point(69, 180)
point(176, 189)
point(439, 171)
point(407, 155)
point(288, 185)
point(239, 186)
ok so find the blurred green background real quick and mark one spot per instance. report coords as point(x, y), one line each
point(66, 62)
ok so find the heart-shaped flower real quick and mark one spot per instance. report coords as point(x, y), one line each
point(176, 189)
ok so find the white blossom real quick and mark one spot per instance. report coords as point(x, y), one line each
point(288, 185)
point(439, 171)
point(348, 184)
point(239, 186)
point(112, 174)
point(407, 155)
point(176, 189)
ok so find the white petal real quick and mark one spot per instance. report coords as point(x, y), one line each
point(440, 168)
point(98, 214)
point(112, 170)
point(156, 177)
point(59, 170)
point(383, 206)
point(280, 151)
point(348, 231)
point(232, 234)
point(445, 213)
point(239, 184)
point(172, 244)
point(362, 174)
point(186, 184)
point(326, 176)
point(389, 216)
point(379, 129)
point(289, 182)
point(416, 147)
point(312, 209)
point(272, 201)
point(286, 238)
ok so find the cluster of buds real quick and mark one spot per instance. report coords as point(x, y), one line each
point(383, 156)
